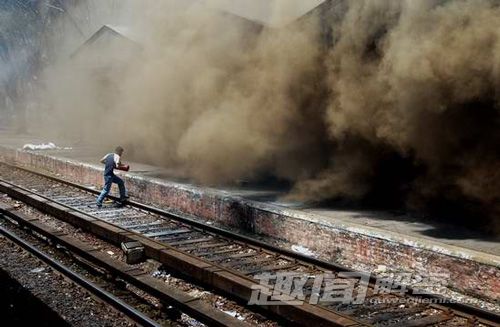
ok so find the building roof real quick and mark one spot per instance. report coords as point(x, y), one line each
point(104, 36)
point(271, 13)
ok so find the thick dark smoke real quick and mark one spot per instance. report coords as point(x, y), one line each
point(394, 102)
point(414, 107)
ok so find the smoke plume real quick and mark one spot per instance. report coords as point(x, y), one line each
point(388, 101)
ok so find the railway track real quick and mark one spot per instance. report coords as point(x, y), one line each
point(81, 281)
point(63, 252)
point(227, 261)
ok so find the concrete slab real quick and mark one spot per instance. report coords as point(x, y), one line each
point(352, 237)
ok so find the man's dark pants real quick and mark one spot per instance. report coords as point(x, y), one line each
point(108, 181)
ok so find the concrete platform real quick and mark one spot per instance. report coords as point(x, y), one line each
point(359, 239)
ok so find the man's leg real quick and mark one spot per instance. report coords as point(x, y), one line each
point(121, 187)
point(105, 190)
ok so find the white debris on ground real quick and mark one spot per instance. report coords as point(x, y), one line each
point(234, 314)
point(44, 146)
point(160, 274)
point(197, 293)
point(188, 321)
point(37, 270)
point(380, 269)
point(303, 250)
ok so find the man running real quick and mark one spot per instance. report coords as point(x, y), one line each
point(111, 162)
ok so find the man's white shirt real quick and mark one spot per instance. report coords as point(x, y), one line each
point(116, 159)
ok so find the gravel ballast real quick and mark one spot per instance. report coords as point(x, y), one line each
point(73, 304)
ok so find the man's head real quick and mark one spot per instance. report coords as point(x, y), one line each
point(119, 150)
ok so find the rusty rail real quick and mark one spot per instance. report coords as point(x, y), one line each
point(109, 298)
point(199, 269)
point(190, 305)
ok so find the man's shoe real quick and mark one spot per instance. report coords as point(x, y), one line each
point(99, 205)
point(119, 204)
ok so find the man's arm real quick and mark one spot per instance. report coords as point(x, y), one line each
point(103, 160)
point(118, 161)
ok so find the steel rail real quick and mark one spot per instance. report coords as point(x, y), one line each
point(192, 306)
point(121, 306)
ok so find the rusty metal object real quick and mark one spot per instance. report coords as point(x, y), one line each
point(134, 252)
